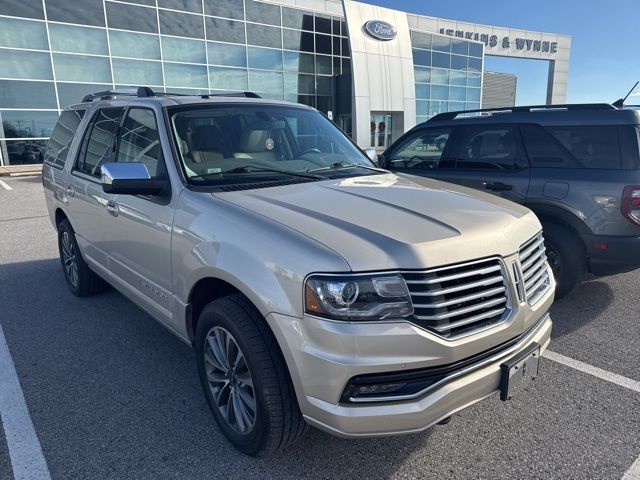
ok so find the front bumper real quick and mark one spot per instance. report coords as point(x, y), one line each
point(323, 356)
point(622, 254)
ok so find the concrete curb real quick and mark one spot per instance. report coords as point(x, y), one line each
point(20, 171)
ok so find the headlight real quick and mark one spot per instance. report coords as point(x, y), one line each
point(358, 297)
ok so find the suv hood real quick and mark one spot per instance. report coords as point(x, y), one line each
point(392, 221)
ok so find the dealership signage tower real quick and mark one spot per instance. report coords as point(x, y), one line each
point(402, 64)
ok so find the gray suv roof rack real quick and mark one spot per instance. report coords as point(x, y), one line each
point(528, 108)
point(143, 92)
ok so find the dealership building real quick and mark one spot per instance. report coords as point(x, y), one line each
point(374, 71)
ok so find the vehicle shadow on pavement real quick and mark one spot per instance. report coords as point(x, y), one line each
point(112, 394)
point(581, 307)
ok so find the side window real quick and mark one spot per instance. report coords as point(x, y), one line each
point(139, 141)
point(592, 146)
point(579, 146)
point(61, 138)
point(97, 144)
point(489, 147)
point(424, 149)
point(544, 150)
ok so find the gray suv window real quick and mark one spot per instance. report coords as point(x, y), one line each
point(580, 146)
point(487, 148)
point(422, 150)
point(140, 142)
point(98, 141)
point(61, 137)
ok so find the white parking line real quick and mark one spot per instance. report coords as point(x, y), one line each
point(595, 371)
point(634, 472)
point(5, 185)
point(27, 459)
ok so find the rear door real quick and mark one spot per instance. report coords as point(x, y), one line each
point(421, 152)
point(490, 158)
point(84, 190)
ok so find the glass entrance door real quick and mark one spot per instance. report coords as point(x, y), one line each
point(380, 130)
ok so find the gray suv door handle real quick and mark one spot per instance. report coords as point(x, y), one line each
point(497, 186)
point(70, 190)
point(112, 208)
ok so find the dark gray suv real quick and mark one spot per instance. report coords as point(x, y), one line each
point(576, 166)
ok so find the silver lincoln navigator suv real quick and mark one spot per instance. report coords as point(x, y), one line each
point(316, 288)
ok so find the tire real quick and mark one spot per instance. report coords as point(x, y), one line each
point(276, 421)
point(567, 257)
point(81, 280)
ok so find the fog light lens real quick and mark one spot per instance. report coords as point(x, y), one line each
point(379, 389)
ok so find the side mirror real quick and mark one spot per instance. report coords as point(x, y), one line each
point(372, 154)
point(131, 178)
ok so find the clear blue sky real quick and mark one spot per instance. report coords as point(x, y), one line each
point(605, 49)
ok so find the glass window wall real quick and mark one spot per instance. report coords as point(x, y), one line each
point(447, 72)
point(69, 38)
point(237, 45)
point(137, 72)
point(134, 45)
point(16, 33)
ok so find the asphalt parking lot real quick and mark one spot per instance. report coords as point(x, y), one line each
point(112, 394)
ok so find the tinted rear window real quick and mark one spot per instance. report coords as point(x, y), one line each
point(61, 138)
point(583, 146)
point(630, 146)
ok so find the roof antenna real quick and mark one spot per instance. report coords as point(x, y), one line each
point(620, 102)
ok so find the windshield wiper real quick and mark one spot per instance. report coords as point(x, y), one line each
point(346, 165)
point(250, 168)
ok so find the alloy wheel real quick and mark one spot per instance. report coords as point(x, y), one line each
point(230, 380)
point(69, 259)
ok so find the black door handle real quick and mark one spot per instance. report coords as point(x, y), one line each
point(497, 186)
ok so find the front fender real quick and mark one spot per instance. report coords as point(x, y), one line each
point(263, 259)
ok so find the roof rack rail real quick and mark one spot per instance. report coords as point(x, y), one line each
point(144, 92)
point(232, 94)
point(119, 92)
point(527, 108)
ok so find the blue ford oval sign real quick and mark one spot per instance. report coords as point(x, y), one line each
point(380, 30)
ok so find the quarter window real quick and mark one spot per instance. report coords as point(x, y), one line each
point(61, 138)
point(580, 146)
point(487, 148)
point(98, 141)
point(425, 149)
point(592, 146)
point(140, 142)
point(544, 150)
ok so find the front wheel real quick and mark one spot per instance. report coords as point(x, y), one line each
point(567, 257)
point(245, 378)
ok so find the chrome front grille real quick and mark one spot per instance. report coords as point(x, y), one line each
point(535, 269)
point(459, 299)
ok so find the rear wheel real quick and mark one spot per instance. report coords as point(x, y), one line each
point(245, 378)
point(82, 281)
point(567, 257)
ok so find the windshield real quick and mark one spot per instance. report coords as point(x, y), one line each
point(220, 143)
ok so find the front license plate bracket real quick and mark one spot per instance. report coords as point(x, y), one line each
point(519, 371)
